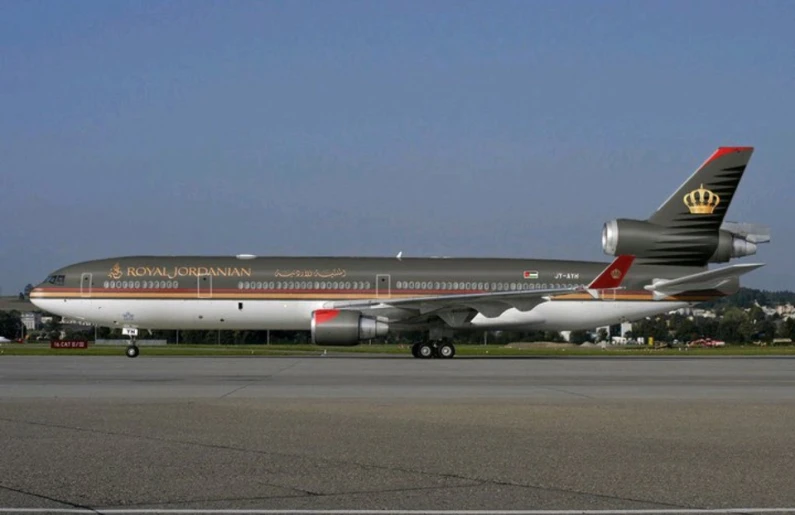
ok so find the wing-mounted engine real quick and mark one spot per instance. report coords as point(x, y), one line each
point(691, 246)
point(344, 327)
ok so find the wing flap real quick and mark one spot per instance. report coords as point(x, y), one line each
point(489, 309)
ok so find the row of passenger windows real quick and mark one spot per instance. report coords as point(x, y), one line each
point(303, 285)
point(355, 285)
point(400, 285)
point(141, 284)
point(484, 286)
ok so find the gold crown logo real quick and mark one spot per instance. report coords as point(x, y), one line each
point(115, 272)
point(701, 201)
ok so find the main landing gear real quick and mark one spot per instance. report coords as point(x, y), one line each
point(434, 349)
point(132, 349)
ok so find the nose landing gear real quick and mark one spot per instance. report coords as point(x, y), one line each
point(132, 349)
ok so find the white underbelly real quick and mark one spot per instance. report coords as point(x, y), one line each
point(572, 315)
point(291, 315)
point(295, 315)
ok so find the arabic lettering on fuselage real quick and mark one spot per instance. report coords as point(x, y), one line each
point(323, 274)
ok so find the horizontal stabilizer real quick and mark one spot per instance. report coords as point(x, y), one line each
point(754, 233)
point(709, 279)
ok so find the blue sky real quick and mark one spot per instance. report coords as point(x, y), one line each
point(462, 128)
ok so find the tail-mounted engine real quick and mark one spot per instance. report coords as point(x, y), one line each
point(344, 328)
point(655, 244)
point(737, 239)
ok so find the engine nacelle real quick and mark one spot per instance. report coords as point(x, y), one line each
point(344, 328)
point(668, 245)
point(633, 237)
point(731, 246)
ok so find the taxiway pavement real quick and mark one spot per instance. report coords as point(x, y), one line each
point(396, 433)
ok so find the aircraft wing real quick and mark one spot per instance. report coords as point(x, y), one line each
point(707, 280)
point(493, 304)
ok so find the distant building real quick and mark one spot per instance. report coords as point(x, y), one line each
point(31, 320)
point(72, 323)
point(695, 312)
point(75, 323)
point(786, 311)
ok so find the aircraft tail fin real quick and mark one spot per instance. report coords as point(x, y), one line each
point(688, 228)
point(702, 201)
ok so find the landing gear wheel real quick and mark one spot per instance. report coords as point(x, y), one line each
point(445, 350)
point(132, 351)
point(425, 350)
point(415, 350)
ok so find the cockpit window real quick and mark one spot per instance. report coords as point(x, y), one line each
point(55, 280)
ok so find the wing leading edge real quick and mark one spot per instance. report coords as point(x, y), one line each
point(493, 304)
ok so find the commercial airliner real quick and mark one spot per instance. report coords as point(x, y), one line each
point(346, 300)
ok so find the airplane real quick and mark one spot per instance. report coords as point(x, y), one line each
point(344, 301)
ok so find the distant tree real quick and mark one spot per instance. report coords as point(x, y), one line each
point(757, 314)
point(765, 331)
point(656, 328)
point(707, 327)
point(579, 337)
point(80, 333)
point(602, 336)
point(735, 326)
point(686, 330)
point(10, 324)
point(788, 329)
point(28, 289)
point(21, 296)
point(748, 297)
point(52, 329)
point(553, 336)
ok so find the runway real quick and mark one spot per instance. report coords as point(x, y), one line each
point(574, 435)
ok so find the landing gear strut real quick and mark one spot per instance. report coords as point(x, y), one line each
point(132, 349)
point(435, 349)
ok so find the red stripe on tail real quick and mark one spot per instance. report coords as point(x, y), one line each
point(613, 275)
point(722, 151)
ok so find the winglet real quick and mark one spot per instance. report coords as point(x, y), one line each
point(613, 275)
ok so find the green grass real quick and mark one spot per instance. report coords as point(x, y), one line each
point(312, 350)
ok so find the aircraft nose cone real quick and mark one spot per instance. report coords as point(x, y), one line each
point(34, 296)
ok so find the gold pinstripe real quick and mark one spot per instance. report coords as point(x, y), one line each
point(638, 296)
